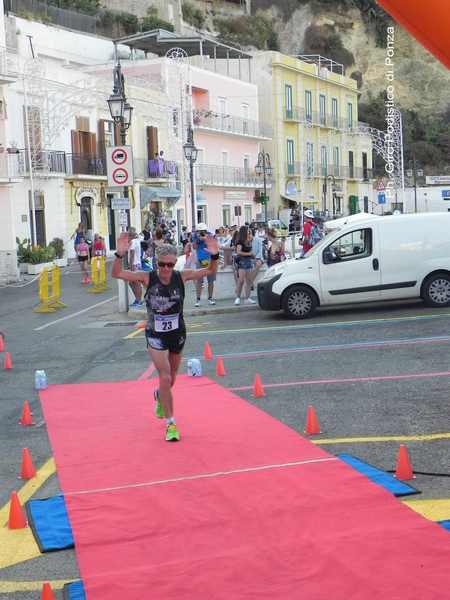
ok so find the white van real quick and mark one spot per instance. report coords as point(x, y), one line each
point(384, 258)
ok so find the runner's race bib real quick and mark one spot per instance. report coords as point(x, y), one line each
point(166, 323)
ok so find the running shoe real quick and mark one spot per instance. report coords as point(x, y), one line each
point(172, 434)
point(250, 301)
point(237, 301)
point(211, 301)
point(158, 408)
point(134, 304)
point(197, 303)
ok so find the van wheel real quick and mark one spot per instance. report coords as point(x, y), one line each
point(436, 290)
point(299, 302)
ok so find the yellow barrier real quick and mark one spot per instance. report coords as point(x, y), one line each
point(98, 275)
point(49, 291)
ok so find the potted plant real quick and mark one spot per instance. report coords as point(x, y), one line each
point(58, 246)
point(12, 148)
point(40, 257)
point(23, 254)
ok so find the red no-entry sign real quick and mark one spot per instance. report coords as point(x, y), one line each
point(119, 166)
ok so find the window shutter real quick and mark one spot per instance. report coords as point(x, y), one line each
point(76, 142)
point(92, 144)
point(101, 138)
point(152, 142)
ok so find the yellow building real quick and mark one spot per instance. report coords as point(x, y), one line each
point(321, 159)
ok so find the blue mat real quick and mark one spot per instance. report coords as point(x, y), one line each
point(445, 524)
point(74, 591)
point(389, 482)
point(50, 524)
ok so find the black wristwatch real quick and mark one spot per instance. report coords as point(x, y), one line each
point(118, 255)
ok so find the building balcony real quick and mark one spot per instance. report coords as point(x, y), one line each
point(85, 164)
point(10, 168)
point(8, 67)
point(299, 169)
point(45, 162)
point(216, 175)
point(316, 118)
point(157, 168)
point(230, 124)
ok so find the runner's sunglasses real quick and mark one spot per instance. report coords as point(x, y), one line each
point(168, 265)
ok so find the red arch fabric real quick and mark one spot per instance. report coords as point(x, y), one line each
point(427, 20)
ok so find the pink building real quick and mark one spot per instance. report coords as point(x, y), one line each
point(228, 136)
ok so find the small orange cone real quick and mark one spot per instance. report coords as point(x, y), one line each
point(312, 422)
point(26, 419)
point(141, 325)
point(404, 468)
point(258, 390)
point(8, 364)
point(2, 343)
point(16, 517)
point(28, 470)
point(207, 352)
point(220, 369)
point(47, 592)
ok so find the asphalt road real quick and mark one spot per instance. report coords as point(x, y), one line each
point(388, 356)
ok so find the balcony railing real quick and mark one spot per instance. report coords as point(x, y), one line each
point(84, 164)
point(317, 118)
point(206, 119)
point(44, 162)
point(156, 169)
point(10, 166)
point(228, 176)
point(318, 170)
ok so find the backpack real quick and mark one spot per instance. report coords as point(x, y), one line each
point(315, 235)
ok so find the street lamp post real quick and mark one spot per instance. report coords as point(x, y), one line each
point(190, 153)
point(264, 168)
point(121, 113)
point(332, 178)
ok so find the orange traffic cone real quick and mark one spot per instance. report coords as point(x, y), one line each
point(8, 364)
point(2, 343)
point(141, 325)
point(312, 422)
point(404, 468)
point(47, 592)
point(28, 470)
point(16, 517)
point(220, 369)
point(26, 419)
point(207, 352)
point(258, 390)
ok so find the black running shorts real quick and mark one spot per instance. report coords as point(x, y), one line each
point(172, 343)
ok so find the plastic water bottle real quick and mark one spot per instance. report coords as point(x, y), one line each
point(194, 367)
point(40, 380)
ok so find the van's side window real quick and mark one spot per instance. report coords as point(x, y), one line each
point(351, 246)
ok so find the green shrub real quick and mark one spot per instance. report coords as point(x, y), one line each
point(192, 15)
point(153, 21)
point(247, 30)
point(58, 246)
point(23, 250)
point(323, 40)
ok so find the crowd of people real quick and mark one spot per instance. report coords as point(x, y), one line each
point(86, 246)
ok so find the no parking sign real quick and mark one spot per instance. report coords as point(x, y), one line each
point(119, 161)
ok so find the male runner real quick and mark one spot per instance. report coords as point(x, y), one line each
point(166, 330)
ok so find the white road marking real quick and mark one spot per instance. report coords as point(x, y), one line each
point(201, 476)
point(80, 312)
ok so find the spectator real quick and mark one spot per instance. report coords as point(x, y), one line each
point(147, 236)
point(276, 249)
point(246, 265)
point(184, 236)
point(83, 259)
point(311, 233)
point(258, 252)
point(98, 246)
point(199, 240)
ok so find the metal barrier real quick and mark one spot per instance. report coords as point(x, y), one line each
point(49, 291)
point(98, 275)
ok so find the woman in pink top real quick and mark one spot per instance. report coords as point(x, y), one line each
point(83, 259)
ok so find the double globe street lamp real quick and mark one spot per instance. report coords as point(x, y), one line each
point(264, 168)
point(190, 153)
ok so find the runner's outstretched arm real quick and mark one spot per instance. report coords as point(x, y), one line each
point(118, 272)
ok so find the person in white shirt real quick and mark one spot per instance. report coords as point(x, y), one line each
point(134, 259)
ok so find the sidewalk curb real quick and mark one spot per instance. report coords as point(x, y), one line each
point(200, 312)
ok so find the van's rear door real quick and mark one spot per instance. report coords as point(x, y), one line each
point(349, 267)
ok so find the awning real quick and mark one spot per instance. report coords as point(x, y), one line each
point(157, 194)
point(298, 199)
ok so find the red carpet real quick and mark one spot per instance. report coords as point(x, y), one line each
point(310, 531)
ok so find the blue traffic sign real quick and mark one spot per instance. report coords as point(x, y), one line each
point(446, 194)
point(381, 198)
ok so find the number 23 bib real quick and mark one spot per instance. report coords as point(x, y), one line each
point(166, 323)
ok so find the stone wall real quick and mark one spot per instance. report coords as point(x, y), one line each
point(169, 10)
point(8, 267)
